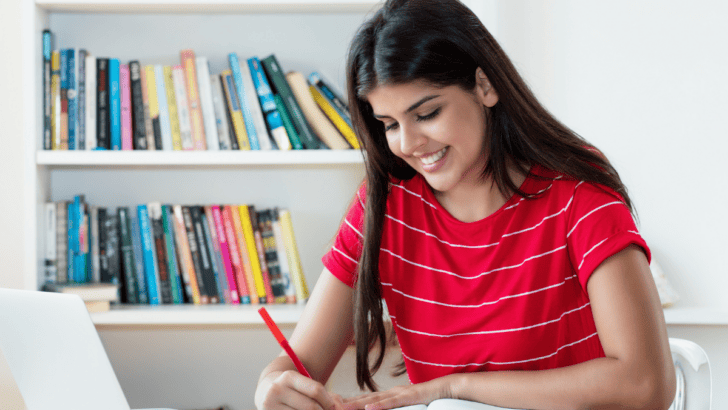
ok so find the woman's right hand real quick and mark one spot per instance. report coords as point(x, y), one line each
point(292, 390)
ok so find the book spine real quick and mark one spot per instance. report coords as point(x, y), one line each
point(172, 108)
point(170, 248)
point(113, 249)
point(127, 142)
point(148, 125)
point(160, 252)
point(236, 115)
point(136, 245)
point(104, 273)
point(253, 215)
point(268, 105)
point(102, 104)
point(333, 96)
point(213, 248)
point(61, 242)
point(74, 227)
point(218, 104)
point(251, 243)
point(245, 260)
point(153, 105)
point(55, 100)
point(206, 105)
point(230, 271)
point(49, 271)
point(295, 141)
point(187, 58)
point(334, 116)
point(270, 253)
point(72, 82)
point(95, 229)
point(164, 124)
point(64, 99)
point(278, 78)
point(243, 99)
point(91, 105)
point(294, 260)
point(245, 292)
point(115, 103)
point(195, 254)
point(139, 132)
point(70, 216)
point(81, 99)
point(127, 257)
point(189, 276)
point(87, 243)
point(150, 268)
point(262, 138)
point(290, 290)
point(183, 108)
point(208, 276)
point(47, 46)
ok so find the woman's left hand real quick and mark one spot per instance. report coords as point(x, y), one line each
point(401, 396)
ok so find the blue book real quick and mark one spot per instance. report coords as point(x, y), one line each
point(71, 216)
point(164, 123)
point(268, 104)
point(136, 247)
point(79, 252)
point(243, 100)
point(115, 103)
point(72, 100)
point(150, 258)
point(174, 271)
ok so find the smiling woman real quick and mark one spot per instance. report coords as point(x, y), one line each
point(503, 243)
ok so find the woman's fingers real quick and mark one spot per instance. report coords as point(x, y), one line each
point(308, 388)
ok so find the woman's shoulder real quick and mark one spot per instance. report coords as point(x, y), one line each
point(563, 185)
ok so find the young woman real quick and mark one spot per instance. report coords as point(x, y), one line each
point(502, 243)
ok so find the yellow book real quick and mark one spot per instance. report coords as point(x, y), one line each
point(243, 251)
point(152, 93)
point(334, 116)
point(252, 252)
point(172, 107)
point(294, 260)
point(56, 100)
point(231, 97)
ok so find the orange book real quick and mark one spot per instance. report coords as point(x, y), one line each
point(183, 247)
point(257, 252)
point(226, 231)
point(187, 58)
point(255, 293)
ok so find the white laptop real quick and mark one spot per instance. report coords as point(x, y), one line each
point(55, 354)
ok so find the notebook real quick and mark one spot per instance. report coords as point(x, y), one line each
point(55, 354)
point(452, 404)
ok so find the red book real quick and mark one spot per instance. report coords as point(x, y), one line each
point(239, 275)
point(225, 252)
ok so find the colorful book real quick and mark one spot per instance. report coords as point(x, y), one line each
point(103, 121)
point(55, 100)
point(236, 115)
point(95, 250)
point(64, 100)
point(151, 79)
point(228, 260)
point(150, 259)
point(331, 94)
point(187, 58)
point(279, 83)
point(336, 118)
point(295, 141)
point(47, 45)
point(252, 241)
point(71, 95)
point(270, 253)
point(136, 246)
point(220, 112)
point(170, 247)
point(208, 275)
point(148, 124)
point(294, 260)
point(243, 100)
point(81, 99)
point(139, 131)
point(195, 255)
point(251, 93)
point(114, 104)
point(319, 122)
point(213, 248)
point(131, 294)
point(290, 290)
point(189, 277)
point(208, 111)
point(164, 123)
point(127, 142)
point(174, 125)
point(90, 108)
point(246, 293)
point(113, 249)
point(183, 108)
point(257, 291)
point(160, 251)
point(268, 105)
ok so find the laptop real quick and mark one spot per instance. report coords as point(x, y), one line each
point(55, 354)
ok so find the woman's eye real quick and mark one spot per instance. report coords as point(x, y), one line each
point(390, 126)
point(428, 116)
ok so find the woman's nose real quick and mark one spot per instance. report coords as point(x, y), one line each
point(410, 140)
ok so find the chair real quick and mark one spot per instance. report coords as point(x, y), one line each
point(692, 369)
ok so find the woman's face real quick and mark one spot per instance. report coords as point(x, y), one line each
point(440, 132)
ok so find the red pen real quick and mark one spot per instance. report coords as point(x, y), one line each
point(283, 342)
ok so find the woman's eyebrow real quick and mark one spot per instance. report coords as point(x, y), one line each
point(413, 106)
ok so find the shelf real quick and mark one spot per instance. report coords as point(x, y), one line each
point(215, 315)
point(215, 6)
point(197, 158)
point(696, 316)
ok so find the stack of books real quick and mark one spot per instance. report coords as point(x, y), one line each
point(97, 296)
point(93, 102)
point(172, 254)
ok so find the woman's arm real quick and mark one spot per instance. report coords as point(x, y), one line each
point(637, 371)
point(319, 340)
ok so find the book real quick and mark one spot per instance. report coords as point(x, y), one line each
point(319, 122)
point(113, 249)
point(268, 105)
point(148, 125)
point(246, 292)
point(90, 109)
point(220, 112)
point(81, 99)
point(103, 121)
point(95, 250)
point(71, 95)
point(47, 47)
point(255, 287)
point(332, 95)
point(270, 254)
point(255, 252)
point(294, 260)
point(289, 288)
point(183, 108)
point(335, 117)
point(295, 141)
point(451, 404)
point(196, 258)
point(87, 291)
point(235, 296)
point(114, 104)
point(150, 78)
point(159, 246)
point(127, 142)
point(213, 249)
point(50, 224)
point(279, 83)
point(187, 58)
point(189, 278)
point(55, 92)
point(244, 100)
point(131, 294)
point(136, 245)
point(251, 93)
point(208, 274)
point(208, 111)
point(64, 72)
point(139, 130)
point(61, 242)
point(164, 122)
point(151, 274)
point(236, 115)
point(104, 272)
point(174, 125)
point(170, 247)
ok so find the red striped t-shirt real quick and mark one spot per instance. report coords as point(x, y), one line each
point(507, 292)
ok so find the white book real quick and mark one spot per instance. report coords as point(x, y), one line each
point(183, 108)
point(208, 111)
point(91, 102)
point(164, 123)
point(256, 112)
point(290, 289)
point(50, 243)
point(451, 404)
point(218, 104)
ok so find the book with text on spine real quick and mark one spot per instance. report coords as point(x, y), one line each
point(268, 105)
point(187, 59)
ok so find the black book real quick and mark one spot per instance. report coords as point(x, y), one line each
point(113, 248)
point(128, 266)
point(104, 272)
point(160, 248)
point(139, 130)
point(103, 118)
point(195, 252)
point(233, 137)
point(208, 274)
point(265, 225)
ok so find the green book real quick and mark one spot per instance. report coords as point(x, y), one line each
point(287, 124)
point(174, 272)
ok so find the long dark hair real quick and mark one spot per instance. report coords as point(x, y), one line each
point(443, 43)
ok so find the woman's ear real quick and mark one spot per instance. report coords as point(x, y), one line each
point(484, 91)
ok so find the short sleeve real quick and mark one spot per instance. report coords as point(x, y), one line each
point(599, 225)
point(343, 257)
